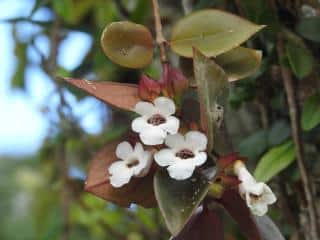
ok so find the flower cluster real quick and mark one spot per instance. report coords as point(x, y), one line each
point(157, 125)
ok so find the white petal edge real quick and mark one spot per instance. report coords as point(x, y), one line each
point(197, 140)
point(152, 136)
point(180, 170)
point(124, 150)
point(164, 157)
point(139, 124)
point(120, 174)
point(171, 125)
point(175, 141)
point(145, 109)
point(199, 159)
point(165, 106)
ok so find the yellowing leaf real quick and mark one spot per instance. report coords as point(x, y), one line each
point(128, 44)
point(239, 62)
point(213, 32)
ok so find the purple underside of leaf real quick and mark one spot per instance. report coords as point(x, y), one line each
point(119, 95)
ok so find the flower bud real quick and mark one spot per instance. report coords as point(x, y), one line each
point(173, 81)
point(148, 88)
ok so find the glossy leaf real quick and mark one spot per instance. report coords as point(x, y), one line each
point(268, 229)
point(205, 225)
point(239, 211)
point(213, 32)
point(120, 95)
point(213, 89)
point(300, 60)
point(128, 44)
point(239, 62)
point(311, 112)
point(274, 161)
point(138, 190)
point(178, 199)
point(309, 28)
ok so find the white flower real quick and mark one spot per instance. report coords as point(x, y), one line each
point(184, 155)
point(133, 162)
point(257, 195)
point(155, 121)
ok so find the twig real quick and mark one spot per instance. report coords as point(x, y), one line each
point(161, 41)
point(296, 133)
point(122, 10)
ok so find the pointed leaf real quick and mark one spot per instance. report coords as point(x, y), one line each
point(311, 112)
point(274, 161)
point(239, 211)
point(213, 32)
point(267, 228)
point(309, 28)
point(239, 62)
point(213, 89)
point(128, 44)
point(178, 199)
point(205, 225)
point(120, 95)
point(138, 190)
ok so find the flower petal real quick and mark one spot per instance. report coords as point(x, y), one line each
point(120, 174)
point(199, 159)
point(197, 140)
point(258, 209)
point(153, 135)
point(164, 157)
point(145, 163)
point(171, 125)
point(138, 150)
point(181, 170)
point(268, 195)
point(124, 150)
point(139, 124)
point(165, 106)
point(145, 109)
point(175, 141)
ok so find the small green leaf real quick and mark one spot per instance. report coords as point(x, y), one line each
point(213, 90)
point(300, 60)
point(178, 199)
point(128, 44)
point(254, 145)
point(274, 161)
point(278, 133)
point(309, 28)
point(240, 62)
point(213, 32)
point(311, 112)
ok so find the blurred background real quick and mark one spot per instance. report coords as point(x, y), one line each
point(49, 131)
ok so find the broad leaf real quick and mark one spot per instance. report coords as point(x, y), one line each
point(239, 62)
point(120, 95)
point(274, 161)
point(259, 140)
point(267, 228)
point(239, 211)
point(311, 112)
point(213, 32)
point(213, 89)
point(138, 190)
point(205, 225)
point(278, 133)
point(300, 60)
point(309, 28)
point(178, 199)
point(128, 44)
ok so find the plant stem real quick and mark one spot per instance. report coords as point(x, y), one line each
point(161, 41)
point(296, 133)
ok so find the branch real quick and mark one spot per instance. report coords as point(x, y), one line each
point(161, 41)
point(296, 133)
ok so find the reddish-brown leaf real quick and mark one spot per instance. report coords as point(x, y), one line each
point(120, 95)
point(239, 211)
point(206, 225)
point(138, 190)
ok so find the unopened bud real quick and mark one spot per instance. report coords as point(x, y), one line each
point(173, 81)
point(148, 88)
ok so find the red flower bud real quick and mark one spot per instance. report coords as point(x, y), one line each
point(148, 88)
point(228, 160)
point(173, 81)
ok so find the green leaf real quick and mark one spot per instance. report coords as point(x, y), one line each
point(178, 199)
point(18, 79)
point(309, 28)
point(213, 32)
point(213, 90)
point(300, 60)
point(311, 112)
point(128, 44)
point(279, 132)
point(254, 145)
point(274, 161)
point(240, 62)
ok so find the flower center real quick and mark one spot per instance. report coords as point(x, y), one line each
point(132, 163)
point(156, 119)
point(255, 196)
point(185, 154)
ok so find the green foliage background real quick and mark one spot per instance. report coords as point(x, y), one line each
point(40, 201)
